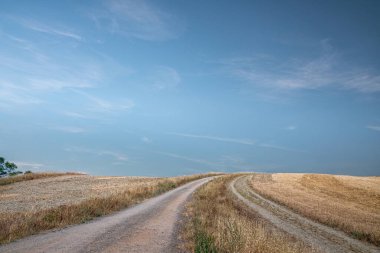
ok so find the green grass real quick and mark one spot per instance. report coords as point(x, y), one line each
point(204, 243)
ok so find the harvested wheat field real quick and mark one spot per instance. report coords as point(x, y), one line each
point(51, 192)
point(33, 176)
point(28, 207)
point(348, 203)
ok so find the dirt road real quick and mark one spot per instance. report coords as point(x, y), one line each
point(319, 236)
point(148, 227)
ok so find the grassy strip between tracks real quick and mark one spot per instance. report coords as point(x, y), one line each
point(218, 223)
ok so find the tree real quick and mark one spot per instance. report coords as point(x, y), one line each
point(8, 168)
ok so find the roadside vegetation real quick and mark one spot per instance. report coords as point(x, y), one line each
point(14, 225)
point(351, 204)
point(217, 223)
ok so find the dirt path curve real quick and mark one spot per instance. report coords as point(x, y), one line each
point(148, 227)
point(315, 234)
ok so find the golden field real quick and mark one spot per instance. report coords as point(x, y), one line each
point(27, 207)
point(32, 176)
point(349, 203)
point(51, 192)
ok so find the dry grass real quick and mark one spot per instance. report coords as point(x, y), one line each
point(31, 176)
point(62, 201)
point(216, 223)
point(351, 204)
point(64, 190)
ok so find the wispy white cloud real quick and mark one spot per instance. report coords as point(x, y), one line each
point(363, 80)
point(224, 163)
point(102, 105)
point(70, 129)
point(138, 19)
point(75, 115)
point(146, 139)
point(216, 138)
point(12, 95)
point(57, 85)
point(274, 146)
point(163, 78)
point(37, 26)
point(190, 159)
point(326, 70)
point(375, 128)
point(116, 155)
point(238, 141)
point(39, 69)
point(26, 45)
point(28, 165)
point(27, 77)
point(291, 128)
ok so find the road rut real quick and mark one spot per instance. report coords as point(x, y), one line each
point(147, 227)
point(315, 234)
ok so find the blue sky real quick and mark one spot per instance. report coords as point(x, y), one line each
point(162, 88)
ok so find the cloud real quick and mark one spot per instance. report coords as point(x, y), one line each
point(325, 70)
point(186, 158)
point(375, 128)
point(138, 19)
point(238, 141)
point(273, 146)
point(25, 45)
point(364, 81)
point(216, 138)
point(146, 139)
point(291, 128)
point(69, 129)
point(28, 165)
point(101, 105)
point(224, 163)
point(116, 155)
point(30, 75)
point(12, 95)
point(75, 115)
point(163, 78)
point(43, 67)
point(57, 85)
point(44, 28)
point(53, 31)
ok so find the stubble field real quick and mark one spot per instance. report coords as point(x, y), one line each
point(349, 203)
point(27, 207)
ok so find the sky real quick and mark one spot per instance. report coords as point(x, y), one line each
point(163, 88)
